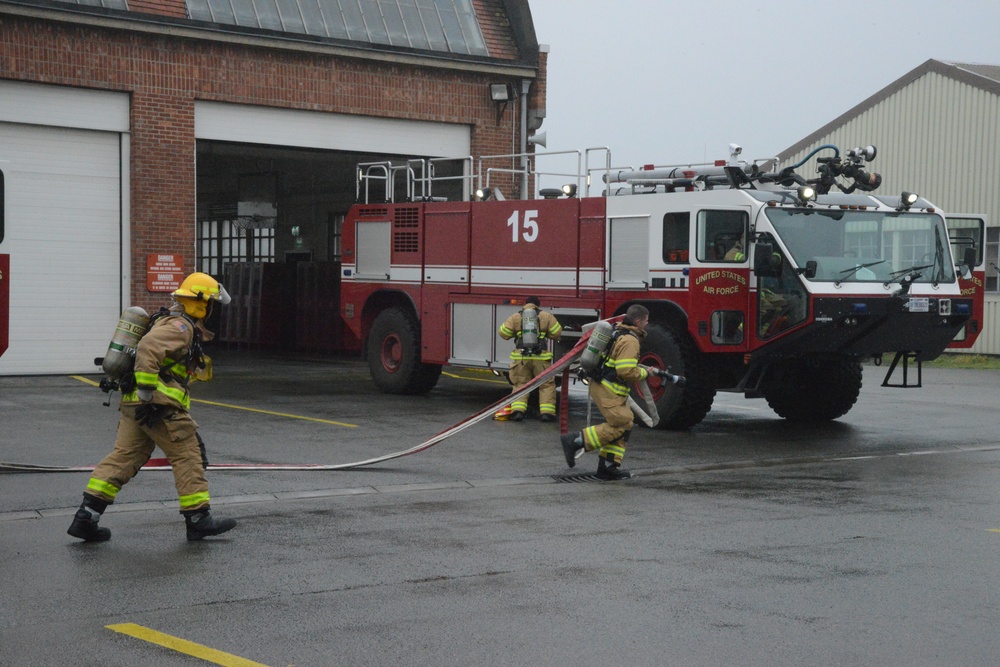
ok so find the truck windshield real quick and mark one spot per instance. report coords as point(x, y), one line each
point(866, 246)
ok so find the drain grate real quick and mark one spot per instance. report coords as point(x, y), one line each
point(577, 477)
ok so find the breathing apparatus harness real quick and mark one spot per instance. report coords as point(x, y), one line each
point(529, 340)
point(122, 376)
point(595, 357)
point(594, 361)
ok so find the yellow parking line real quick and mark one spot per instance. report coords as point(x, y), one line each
point(276, 414)
point(993, 530)
point(183, 646)
point(491, 380)
point(85, 380)
point(240, 407)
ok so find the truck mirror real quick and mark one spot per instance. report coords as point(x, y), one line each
point(810, 271)
point(765, 263)
point(968, 262)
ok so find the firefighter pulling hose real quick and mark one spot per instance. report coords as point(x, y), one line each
point(611, 365)
point(563, 364)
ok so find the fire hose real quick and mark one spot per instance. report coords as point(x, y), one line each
point(551, 372)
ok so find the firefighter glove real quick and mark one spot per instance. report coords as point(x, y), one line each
point(150, 414)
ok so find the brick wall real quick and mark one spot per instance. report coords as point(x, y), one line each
point(165, 75)
point(496, 29)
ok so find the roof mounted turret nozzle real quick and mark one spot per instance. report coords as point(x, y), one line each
point(851, 167)
point(858, 154)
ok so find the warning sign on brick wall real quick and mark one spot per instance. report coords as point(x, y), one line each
point(164, 273)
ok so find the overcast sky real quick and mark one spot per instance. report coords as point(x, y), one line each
point(666, 81)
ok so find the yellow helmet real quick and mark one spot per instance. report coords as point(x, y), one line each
point(197, 291)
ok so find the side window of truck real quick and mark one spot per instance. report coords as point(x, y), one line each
point(722, 236)
point(676, 238)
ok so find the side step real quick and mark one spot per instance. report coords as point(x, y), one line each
point(906, 357)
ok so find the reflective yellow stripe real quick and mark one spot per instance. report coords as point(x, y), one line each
point(519, 406)
point(554, 329)
point(193, 500)
point(175, 367)
point(617, 452)
point(517, 355)
point(146, 379)
point(619, 389)
point(590, 438)
point(504, 331)
point(100, 486)
point(179, 395)
point(547, 408)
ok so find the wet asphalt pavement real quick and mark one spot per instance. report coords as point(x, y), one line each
point(872, 540)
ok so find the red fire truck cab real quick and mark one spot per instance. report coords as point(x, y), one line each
point(757, 280)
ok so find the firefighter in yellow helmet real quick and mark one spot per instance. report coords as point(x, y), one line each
point(154, 413)
point(531, 329)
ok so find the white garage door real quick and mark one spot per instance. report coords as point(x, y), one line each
point(312, 129)
point(63, 231)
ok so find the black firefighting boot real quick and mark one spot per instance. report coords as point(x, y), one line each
point(85, 521)
point(201, 523)
point(609, 470)
point(572, 444)
point(517, 416)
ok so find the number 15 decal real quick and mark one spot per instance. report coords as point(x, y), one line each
point(530, 232)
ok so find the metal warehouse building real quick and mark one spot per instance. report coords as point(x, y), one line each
point(937, 130)
point(141, 140)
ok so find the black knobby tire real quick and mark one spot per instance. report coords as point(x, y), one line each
point(813, 390)
point(680, 408)
point(394, 355)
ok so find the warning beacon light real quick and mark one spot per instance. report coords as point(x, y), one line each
point(806, 194)
point(906, 200)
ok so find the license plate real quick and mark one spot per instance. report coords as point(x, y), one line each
point(919, 305)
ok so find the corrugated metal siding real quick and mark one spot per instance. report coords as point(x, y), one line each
point(989, 341)
point(938, 137)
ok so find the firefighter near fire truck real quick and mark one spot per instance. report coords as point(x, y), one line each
point(610, 365)
point(831, 274)
point(609, 385)
point(152, 360)
point(532, 328)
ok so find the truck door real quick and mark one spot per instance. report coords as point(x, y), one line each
point(719, 280)
point(967, 232)
point(628, 252)
point(373, 249)
point(446, 247)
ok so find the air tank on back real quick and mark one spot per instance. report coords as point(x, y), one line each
point(120, 357)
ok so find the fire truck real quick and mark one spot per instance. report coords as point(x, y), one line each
point(758, 280)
